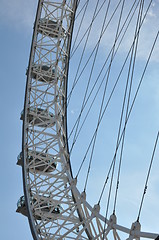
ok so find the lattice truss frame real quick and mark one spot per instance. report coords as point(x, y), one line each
point(55, 206)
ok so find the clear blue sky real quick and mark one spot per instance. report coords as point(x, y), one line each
point(16, 23)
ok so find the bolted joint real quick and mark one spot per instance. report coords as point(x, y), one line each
point(95, 209)
point(135, 227)
point(83, 195)
point(73, 182)
point(112, 221)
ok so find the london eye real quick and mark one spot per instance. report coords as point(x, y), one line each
point(88, 66)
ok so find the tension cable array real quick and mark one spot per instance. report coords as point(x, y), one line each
point(76, 79)
point(113, 89)
point(128, 115)
point(126, 107)
point(102, 69)
point(130, 110)
point(130, 72)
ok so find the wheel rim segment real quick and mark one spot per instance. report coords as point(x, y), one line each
point(56, 209)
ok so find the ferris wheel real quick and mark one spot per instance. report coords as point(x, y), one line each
point(68, 37)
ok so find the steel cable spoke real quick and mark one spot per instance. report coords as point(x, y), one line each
point(91, 72)
point(80, 25)
point(83, 51)
point(104, 66)
point(129, 113)
point(118, 27)
point(147, 178)
point(113, 89)
point(103, 98)
point(90, 56)
point(132, 62)
point(87, 29)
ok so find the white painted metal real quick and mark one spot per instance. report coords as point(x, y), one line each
point(56, 209)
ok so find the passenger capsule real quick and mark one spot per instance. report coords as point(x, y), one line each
point(21, 206)
point(43, 73)
point(50, 28)
point(44, 207)
point(39, 117)
point(39, 161)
